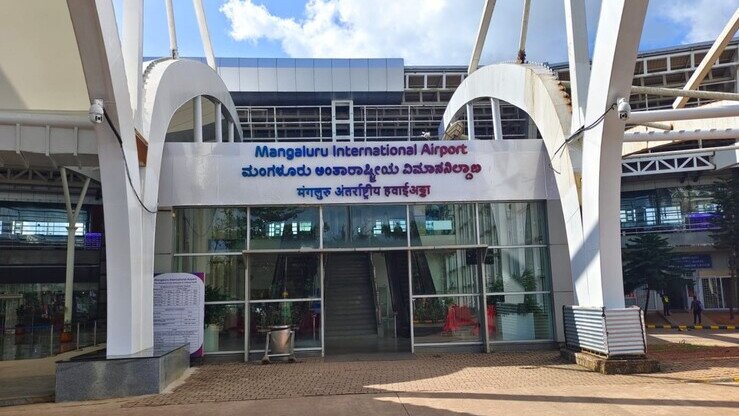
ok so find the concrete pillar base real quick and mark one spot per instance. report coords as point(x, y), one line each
point(625, 365)
point(94, 376)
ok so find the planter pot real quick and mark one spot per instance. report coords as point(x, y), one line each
point(279, 342)
point(210, 337)
point(20, 330)
point(65, 336)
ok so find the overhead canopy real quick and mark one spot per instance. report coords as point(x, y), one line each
point(41, 67)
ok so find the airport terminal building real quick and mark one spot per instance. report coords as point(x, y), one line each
point(335, 196)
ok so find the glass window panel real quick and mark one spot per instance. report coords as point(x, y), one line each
point(282, 276)
point(517, 270)
point(513, 223)
point(448, 319)
point(207, 230)
point(224, 328)
point(444, 271)
point(443, 224)
point(305, 318)
point(365, 226)
point(519, 317)
point(284, 228)
point(224, 275)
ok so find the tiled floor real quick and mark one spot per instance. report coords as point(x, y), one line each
point(425, 373)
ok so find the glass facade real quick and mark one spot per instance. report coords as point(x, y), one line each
point(668, 209)
point(448, 270)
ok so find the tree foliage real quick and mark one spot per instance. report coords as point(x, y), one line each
point(726, 226)
point(650, 262)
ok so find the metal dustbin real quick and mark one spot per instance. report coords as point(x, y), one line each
point(280, 342)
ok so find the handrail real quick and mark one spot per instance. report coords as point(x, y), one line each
point(375, 294)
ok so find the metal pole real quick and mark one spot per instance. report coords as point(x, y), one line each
point(78, 336)
point(230, 131)
point(653, 136)
point(95, 333)
point(521, 58)
point(197, 116)
point(72, 216)
point(497, 125)
point(470, 121)
point(204, 33)
point(172, 32)
point(219, 123)
point(639, 117)
point(482, 32)
point(51, 339)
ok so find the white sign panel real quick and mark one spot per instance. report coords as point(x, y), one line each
point(350, 173)
point(179, 310)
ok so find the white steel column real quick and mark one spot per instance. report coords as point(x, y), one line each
point(72, 216)
point(133, 47)
point(578, 56)
point(219, 123)
point(230, 131)
point(497, 125)
point(524, 30)
point(619, 30)
point(711, 57)
point(174, 53)
point(482, 32)
point(197, 118)
point(204, 34)
point(470, 121)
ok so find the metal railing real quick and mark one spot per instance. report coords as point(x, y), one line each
point(39, 340)
point(608, 332)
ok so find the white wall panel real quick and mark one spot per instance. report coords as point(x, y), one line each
point(210, 174)
point(248, 74)
point(304, 81)
point(377, 74)
point(267, 74)
point(322, 75)
point(340, 75)
point(359, 75)
point(395, 75)
point(285, 69)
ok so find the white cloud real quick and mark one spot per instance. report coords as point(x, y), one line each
point(421, 31)
point(442, 32)
point(703, 19)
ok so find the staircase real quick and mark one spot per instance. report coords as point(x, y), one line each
point(350, 305)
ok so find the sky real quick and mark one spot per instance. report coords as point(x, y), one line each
point(423, 32)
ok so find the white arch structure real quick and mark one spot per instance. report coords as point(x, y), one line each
point(592, 226)
point(129, 223)
point(535, 90)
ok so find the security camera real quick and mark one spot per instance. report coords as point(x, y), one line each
point(624, 109)
point(96, 111)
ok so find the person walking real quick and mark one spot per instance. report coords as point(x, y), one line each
point(665, 304)
point(697, 307)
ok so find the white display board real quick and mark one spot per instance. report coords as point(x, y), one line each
point(179, 300)
point(212, 174)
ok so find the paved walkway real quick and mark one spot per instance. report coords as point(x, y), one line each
point(435, 384)
point(580, 394)
point(702, 337)
point(32, 380)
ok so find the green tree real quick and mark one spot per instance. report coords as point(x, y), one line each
point(650, 262)
point(726, 234)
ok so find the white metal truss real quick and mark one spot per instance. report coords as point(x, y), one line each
point(654, 165)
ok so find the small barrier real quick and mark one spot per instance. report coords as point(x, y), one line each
point(608, 332)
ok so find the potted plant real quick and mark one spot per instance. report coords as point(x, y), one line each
point(214, 316)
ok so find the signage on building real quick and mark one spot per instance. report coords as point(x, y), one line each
point(341, 173)
point(179, 300)
point(696, 261)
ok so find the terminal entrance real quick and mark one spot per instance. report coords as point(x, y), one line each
point(367, 302)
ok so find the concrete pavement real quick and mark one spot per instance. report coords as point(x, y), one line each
point(674, 399)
